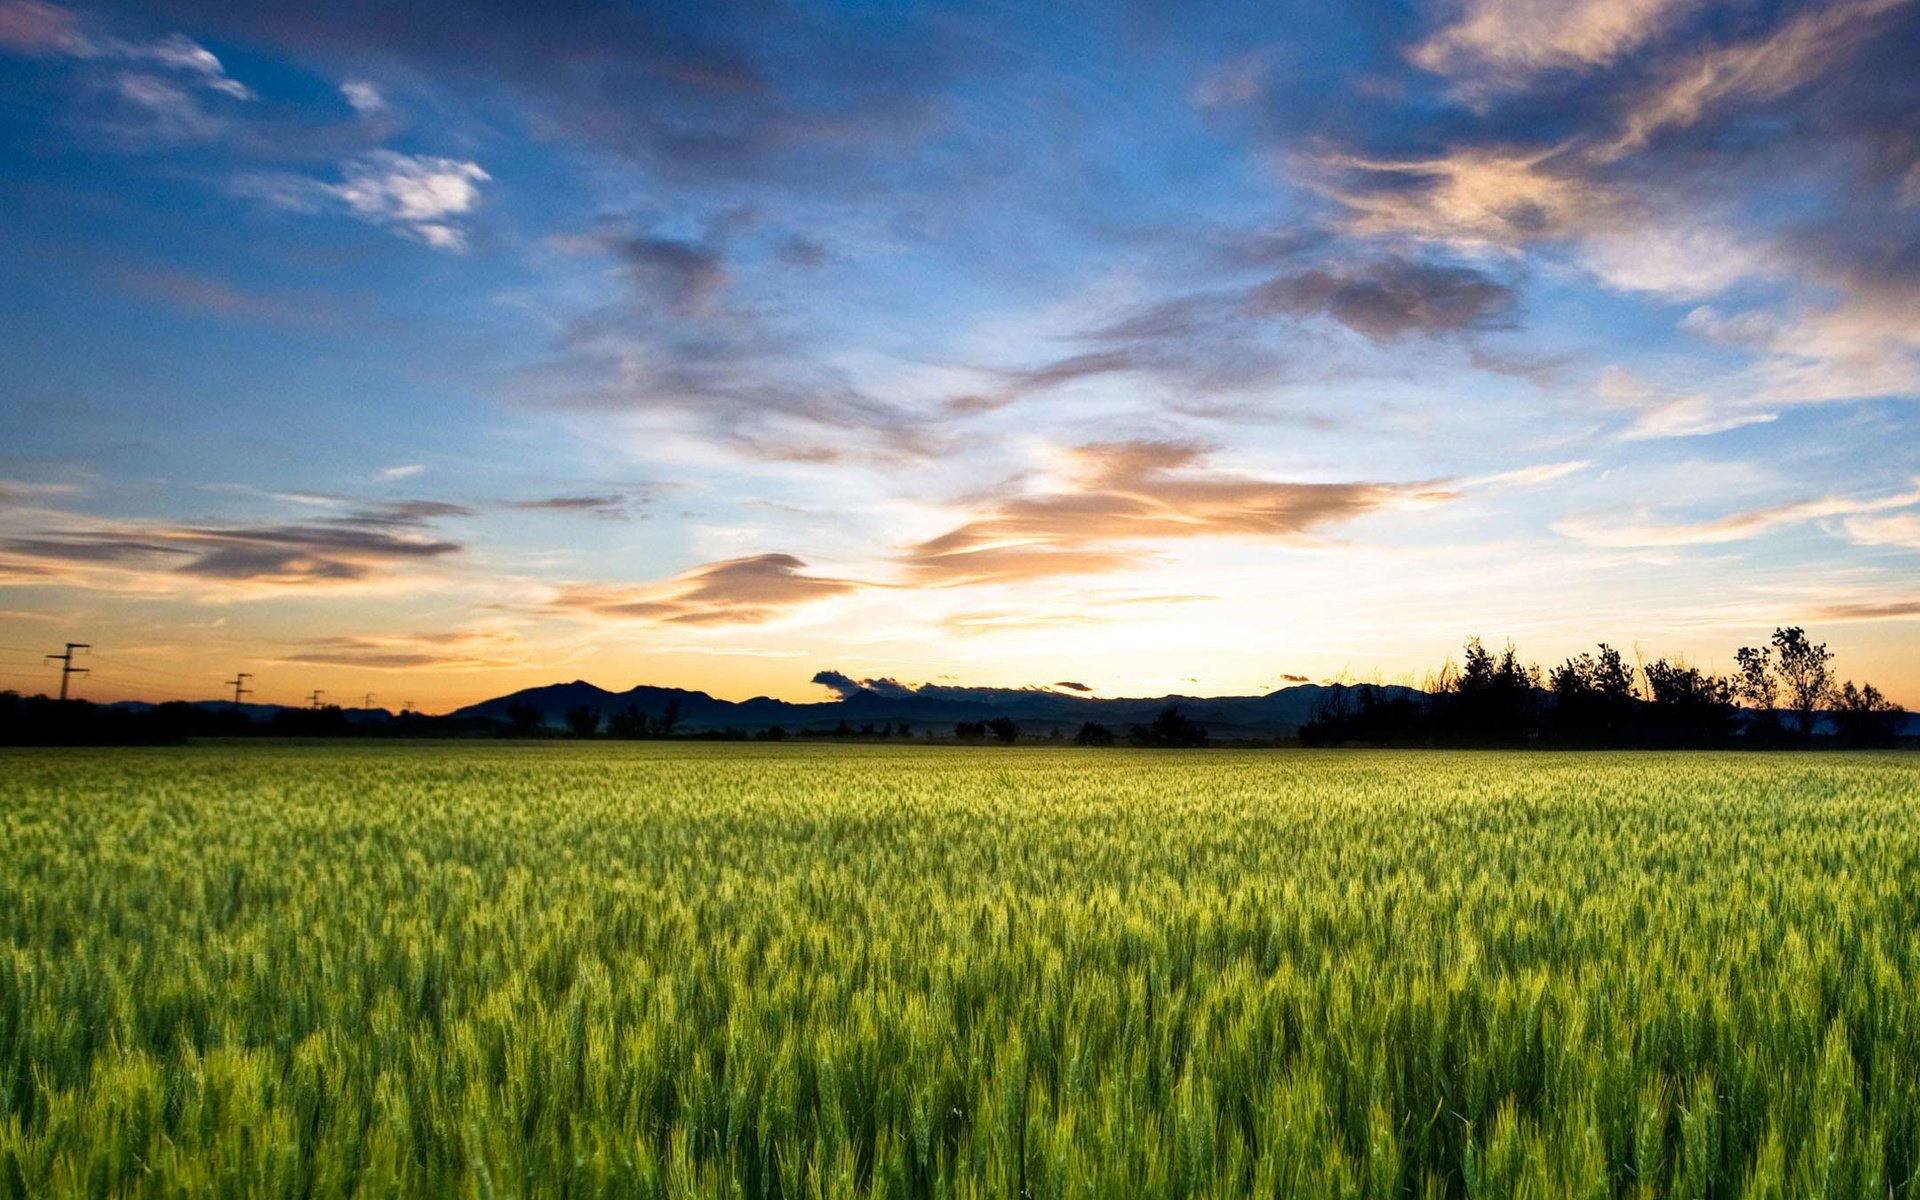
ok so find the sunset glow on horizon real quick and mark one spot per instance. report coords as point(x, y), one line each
point(441, 350)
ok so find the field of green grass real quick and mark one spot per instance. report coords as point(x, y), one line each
point(752, 971)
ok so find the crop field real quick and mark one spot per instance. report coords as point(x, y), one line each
point(750, 971)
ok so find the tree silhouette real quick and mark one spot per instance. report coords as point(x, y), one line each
point(1493, 699)
point(1689, 705)
point(524, 717)
point(583, 721)
point(1865, 718)
point(1093, 734)
point(669, 717)
point(1005, 729)
point(629, 723)
point(1170, 729)
point(1592, 697)
point(1806, 668)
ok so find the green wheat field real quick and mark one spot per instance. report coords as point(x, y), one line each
point(797, 971)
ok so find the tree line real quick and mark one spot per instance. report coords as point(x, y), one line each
point(1783, 693)
point(1780, 694)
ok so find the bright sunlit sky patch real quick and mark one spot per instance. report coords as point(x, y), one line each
point(436, 350)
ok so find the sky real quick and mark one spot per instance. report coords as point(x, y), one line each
point(435, 350)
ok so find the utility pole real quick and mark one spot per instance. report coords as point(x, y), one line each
point(368, 702)
point(314, 700)
point(67, 669)
point(239, 685)
point(406, 706)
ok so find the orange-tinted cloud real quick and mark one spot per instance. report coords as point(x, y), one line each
point(736, 591)
point(1501, 43)
point(1122, 494)
point(441, 651)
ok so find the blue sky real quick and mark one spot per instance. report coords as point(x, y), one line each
point(437, 349)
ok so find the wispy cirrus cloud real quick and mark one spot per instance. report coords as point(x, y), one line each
point(34, 28)
point(1742, 526)
point(144, 92)
point(1497, 44)
point(1900, 529)
point(725, 90)
point(1233, 337)
point(677, 352)
point(1761, 68)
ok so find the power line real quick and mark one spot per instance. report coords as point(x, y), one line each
point(239, 685)
point(67, 669)
point(115, 661)
point(314, 700)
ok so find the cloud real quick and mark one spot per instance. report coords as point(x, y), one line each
point(684, 275)
point(845, 687)
point(1471, 196)
point(1650, 142)
point(1285, 678)
point(1499, 44)
point(400, 514)
point(416, 193)
point(1739, 526)
point(1072, 686)
point(1763, 68)
point(613, 507)
point(1663, 413)
point(16, 492)
point(1532, 476)
point(737, 591)
point(1120, 495)
point(670, 357)
point(841, 685)
point(29, 27)
point(1902, 529)
point(365, 98)
point(402, 471)
point(723, 90)
point(360, 547)
point(419, 196)
point(1387, 300)
point(1226, 339)
point(463, 650)
point(1891, 610)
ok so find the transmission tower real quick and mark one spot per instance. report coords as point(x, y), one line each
point(67, 669)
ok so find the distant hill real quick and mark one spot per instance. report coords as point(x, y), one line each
point(1038, 710)
point(925, 707)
